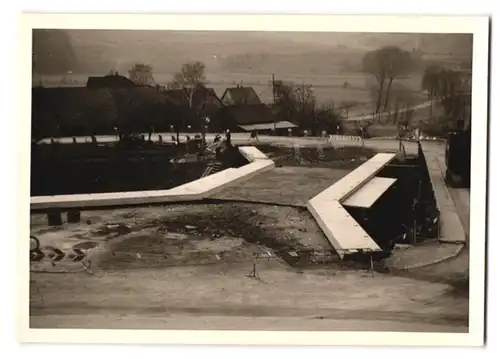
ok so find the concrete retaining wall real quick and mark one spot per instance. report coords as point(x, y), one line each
point(195, 190)
point(451, 228)
point(339, 227)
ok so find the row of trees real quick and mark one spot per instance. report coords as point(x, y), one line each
point(450, 88)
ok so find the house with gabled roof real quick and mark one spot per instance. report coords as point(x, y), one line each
point(240, 95)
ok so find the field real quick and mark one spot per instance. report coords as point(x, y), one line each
point(328, 88)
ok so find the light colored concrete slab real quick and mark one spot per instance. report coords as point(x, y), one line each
point(252, 153)
point(354, 180)
point(341, 230)
point(242, 174)
point(367, 195)
point(451, 228)
point(200, 185)
point(192, 191)
point(110, 199)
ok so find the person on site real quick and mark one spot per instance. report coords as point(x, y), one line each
point(254, 135)
point(150, 132)
point(228, 138)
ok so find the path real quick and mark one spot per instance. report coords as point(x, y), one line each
point(387, 113)
point(454, 203)
point(380, 145)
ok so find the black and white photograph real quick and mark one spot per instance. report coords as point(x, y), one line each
point(286, 180)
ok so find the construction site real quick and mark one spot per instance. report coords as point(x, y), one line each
point(281, 233)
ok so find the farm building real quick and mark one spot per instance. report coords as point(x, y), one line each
point(82, 111)
point(110, 81)
point(240, 95)
point(248, 118)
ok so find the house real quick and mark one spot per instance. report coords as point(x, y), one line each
point(248, 118)
point(110, 81)
point(81, 111)
point(240, 95)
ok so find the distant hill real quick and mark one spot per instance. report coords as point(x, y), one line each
point(99, 51)
point(53, 52)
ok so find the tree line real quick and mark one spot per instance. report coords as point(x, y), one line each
point(103, 110)
point(449, 88)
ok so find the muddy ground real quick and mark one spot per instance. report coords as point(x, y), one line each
point(189, 267)
point(190, 234)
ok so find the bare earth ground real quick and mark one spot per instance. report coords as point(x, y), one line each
point(292, 186)
point(185, 267)
point(222, 297)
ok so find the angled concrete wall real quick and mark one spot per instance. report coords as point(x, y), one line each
point(339, 227)
point(191, 191)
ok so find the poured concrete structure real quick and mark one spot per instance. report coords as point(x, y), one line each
point(367, 195)
point(195, 190)
point(339, 227)
point(451, 227)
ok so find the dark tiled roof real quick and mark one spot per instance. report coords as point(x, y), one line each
point(240, 96)
point(249, 114)
point(109, 81)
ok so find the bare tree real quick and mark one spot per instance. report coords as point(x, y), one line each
point(142, 74)
point(296, 103)
point(398, 63)
point(190, 79)
point(386, 64)
point(403, 104)
point(306, 104)
point(454, 92)
point(285, 101)
point(430, 83)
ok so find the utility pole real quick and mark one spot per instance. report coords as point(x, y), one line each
point(274, 104)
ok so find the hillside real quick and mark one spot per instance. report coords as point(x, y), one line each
point(98, 51)
point(53, 52)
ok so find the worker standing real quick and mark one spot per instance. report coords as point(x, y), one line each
point(228, 138)
point(254, 135)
